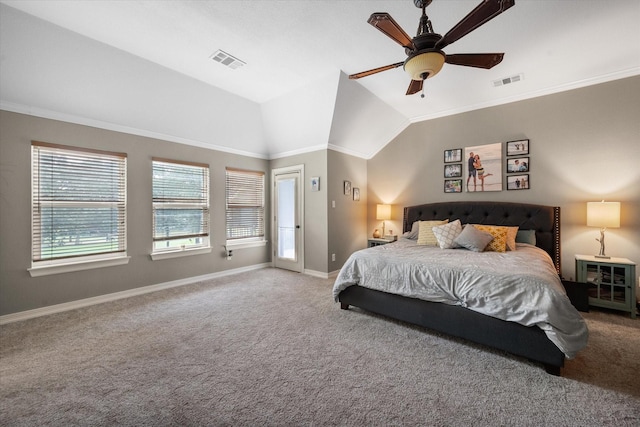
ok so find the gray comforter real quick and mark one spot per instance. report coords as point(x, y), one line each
point(519, 286)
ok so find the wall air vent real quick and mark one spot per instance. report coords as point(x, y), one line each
point(225, 59)
point(507, 80)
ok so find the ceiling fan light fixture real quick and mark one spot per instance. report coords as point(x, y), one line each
point(424, 65)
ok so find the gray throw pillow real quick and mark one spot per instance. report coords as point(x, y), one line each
point(473, 239)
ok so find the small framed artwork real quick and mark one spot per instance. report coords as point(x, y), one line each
point(453, 186)
point(453, 171)
point(315, 183)
point(518, 148)
point(453, 156)
point(518, 164)
point(356, 194)
point(518, 182)
point(347, 188)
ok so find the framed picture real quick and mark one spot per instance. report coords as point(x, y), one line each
point(518, 182)
point(453, 156)
point(356, 194)
point(453, 186)
point(315, 183)
point(347, 188)
point(484, 167)
point(518, 164)
point(518, 148)
point(453, 171)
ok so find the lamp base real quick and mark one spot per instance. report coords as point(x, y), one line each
point(603, 256)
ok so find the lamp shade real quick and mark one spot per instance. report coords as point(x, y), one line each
point(603, 214)
point(383, 212)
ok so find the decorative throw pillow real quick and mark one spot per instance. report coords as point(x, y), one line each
point(425, 235)
point(512, 232)
point(446, 234)
point(526, 236)
point(499, 233)
point(413, 234)
point(473, 239)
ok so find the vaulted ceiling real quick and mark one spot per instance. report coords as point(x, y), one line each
point(292, 91)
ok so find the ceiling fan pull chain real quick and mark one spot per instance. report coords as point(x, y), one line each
point(422, 94)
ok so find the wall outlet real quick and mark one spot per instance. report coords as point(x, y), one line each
point(333, 257)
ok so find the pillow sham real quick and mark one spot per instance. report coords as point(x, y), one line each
point(526, 236)
point(512, 232)
point(446, 234)
point(499, 233)
point(413, 234)
point(425, 234)
point(473, 239)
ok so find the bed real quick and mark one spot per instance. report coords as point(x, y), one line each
point(536, 340)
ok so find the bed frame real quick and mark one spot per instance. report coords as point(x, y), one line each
point(528, 342)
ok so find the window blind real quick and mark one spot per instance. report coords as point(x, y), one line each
point(180, 203)
point(78, 202)
point(245, 204)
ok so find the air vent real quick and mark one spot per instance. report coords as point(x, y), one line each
point(225, 59)
point(508, 80)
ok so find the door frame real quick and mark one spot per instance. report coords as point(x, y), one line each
point(300, 196)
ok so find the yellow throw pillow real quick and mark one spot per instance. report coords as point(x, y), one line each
point(512, 232)
point(425, 234)
point(499, 242)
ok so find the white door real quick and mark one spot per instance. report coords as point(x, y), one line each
point(288, 247)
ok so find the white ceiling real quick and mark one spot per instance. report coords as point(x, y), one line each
point(288, 45)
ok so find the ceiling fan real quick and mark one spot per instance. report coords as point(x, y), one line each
point(425, 57)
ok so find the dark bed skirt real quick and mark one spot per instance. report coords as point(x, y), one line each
point(528, 342)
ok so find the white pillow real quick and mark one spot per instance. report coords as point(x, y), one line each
point(446, 234)
point(425, 235)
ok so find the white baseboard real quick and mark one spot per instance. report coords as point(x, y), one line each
point(58, 308)
point(322, 275)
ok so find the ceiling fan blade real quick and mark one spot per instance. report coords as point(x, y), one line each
point(478, 60)
point(415, 86)
point(385, 23)
point(482, 14)
point(375, 70)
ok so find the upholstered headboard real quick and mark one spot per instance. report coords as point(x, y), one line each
point(545, 220)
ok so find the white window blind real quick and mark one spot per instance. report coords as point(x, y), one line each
point(245, 204)
point(180, 205)
point(78, 202)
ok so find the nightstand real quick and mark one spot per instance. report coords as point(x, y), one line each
point(610, 281)
point(378, 241)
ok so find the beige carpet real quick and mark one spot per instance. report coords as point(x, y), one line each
point(270, 347)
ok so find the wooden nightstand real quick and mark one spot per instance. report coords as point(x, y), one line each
point(611, 282)
point(378, 241)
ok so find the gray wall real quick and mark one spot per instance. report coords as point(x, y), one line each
point(584, 146)
point(19, 291)
point(348, 220)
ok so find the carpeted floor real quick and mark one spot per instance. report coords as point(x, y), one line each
point(271, 348)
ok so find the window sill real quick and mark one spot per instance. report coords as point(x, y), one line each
point(231, 244)
point(179, 253)
point(46, 270)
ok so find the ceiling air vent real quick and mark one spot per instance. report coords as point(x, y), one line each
point(507, 80)
point(225, 59)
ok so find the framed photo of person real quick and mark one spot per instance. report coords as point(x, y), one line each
point(518, 148)
point(517, 165)
point(453, 186)
point(518, 182)
point(453, 156)
point(453, 171)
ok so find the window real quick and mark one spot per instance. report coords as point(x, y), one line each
point(245, 205)
point(180, 205)
point(78, 205)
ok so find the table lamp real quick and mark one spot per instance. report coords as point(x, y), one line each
point(383, 212)
point(603, 214)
